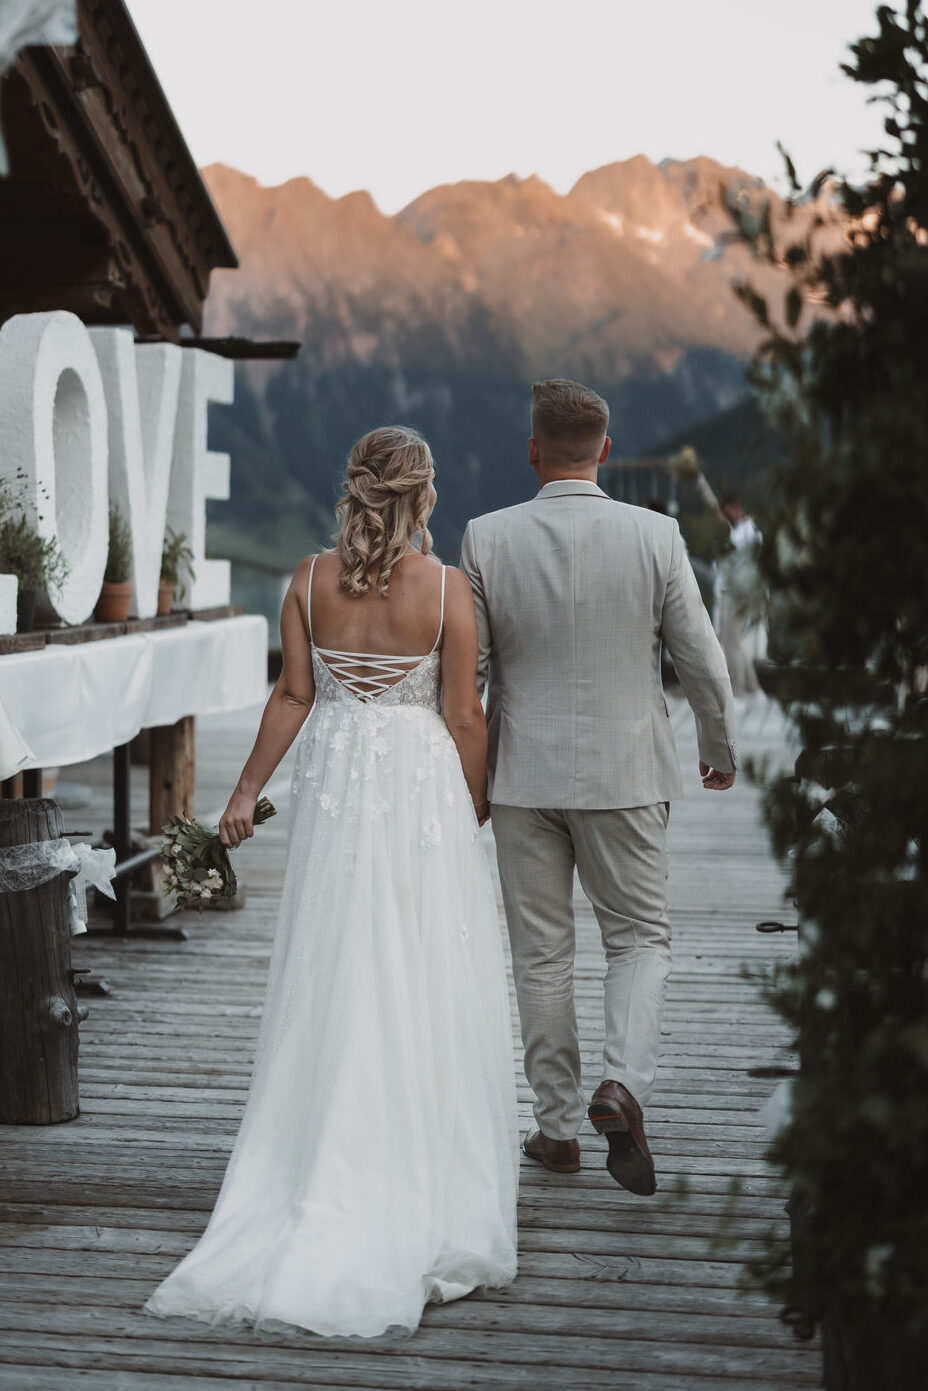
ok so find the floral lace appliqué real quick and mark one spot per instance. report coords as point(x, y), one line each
point(431, 835)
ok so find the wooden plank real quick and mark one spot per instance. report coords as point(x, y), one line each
point(21, 642)
point(540, 1215)
point(449, 1376)
point(549, 1325)
point(522, 1357)
point(753, 1311)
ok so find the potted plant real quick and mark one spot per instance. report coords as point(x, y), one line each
point(35, 560)
point(175, 555)
point(113, 603)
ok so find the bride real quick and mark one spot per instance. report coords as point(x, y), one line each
point(376, 1164)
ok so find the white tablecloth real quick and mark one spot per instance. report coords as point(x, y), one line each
point(71, 703)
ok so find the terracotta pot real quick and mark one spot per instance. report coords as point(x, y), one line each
point(113, 603)
point(25, 610)
point(165, 596)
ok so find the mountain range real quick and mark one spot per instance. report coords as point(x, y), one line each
point(441, 315)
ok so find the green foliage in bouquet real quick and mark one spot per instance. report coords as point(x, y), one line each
point(196, 863)
point(119, 554)
point(843, 371)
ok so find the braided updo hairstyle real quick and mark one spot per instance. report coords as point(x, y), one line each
point(386, 501)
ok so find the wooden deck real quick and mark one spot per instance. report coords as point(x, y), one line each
point(613, 1291)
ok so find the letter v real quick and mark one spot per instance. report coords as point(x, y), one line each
point(141, 384)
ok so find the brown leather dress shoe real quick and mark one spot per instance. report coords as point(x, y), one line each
point(560, 1156)
point(616, 1114)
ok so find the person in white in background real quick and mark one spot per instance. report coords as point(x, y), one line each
point(736, 591)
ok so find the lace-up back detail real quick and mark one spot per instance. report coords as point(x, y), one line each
point(369, 676)
point(386, 672)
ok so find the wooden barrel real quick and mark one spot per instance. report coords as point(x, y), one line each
point(38, 1007)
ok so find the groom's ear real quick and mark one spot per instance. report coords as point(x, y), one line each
point(607, 445)
point(534, 453)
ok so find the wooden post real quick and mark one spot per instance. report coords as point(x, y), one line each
point(171, 772)
point(171, 768)
point(38, 1007)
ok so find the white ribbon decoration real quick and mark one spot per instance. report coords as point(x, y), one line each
point(25, 867)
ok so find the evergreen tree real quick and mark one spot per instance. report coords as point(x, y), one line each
point(843, 372)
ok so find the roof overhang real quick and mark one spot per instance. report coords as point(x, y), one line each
point(104, 211)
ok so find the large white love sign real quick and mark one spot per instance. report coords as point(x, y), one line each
point(89, 415)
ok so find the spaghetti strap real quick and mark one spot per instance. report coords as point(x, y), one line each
point(309, 599)
point(441, 616)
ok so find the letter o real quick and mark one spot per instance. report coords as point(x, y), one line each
point(54, 428)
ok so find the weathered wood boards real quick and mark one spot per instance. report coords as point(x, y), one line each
point(38, 1007)
point(612, 1292)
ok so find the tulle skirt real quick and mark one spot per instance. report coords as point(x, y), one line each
point(376, 1164)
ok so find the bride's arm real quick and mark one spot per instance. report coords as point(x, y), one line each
point(288, 705)
point(461, 704)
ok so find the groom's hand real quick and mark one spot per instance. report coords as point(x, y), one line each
point(713, 781)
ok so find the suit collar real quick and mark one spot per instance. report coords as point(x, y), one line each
point(564, 486)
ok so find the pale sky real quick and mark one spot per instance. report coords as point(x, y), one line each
point(396, 96)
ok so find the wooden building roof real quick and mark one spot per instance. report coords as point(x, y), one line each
point(104, 211)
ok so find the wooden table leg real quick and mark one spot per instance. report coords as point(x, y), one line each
point(170, 791)
point(32, 782)
point(122, 835)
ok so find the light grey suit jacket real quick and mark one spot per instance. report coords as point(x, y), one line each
point(574, 593)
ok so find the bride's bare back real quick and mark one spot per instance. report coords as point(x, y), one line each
point(404, 622)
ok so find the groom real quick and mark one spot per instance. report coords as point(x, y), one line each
point(574, 594)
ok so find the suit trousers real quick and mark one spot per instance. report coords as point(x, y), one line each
point(621, 859)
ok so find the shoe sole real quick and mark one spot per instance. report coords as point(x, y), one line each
point(627, 1162)
point(552, 1168)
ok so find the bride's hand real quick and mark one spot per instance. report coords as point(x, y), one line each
point(236, 823)
point(482, 812)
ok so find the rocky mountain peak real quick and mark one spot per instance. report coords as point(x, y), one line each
point(611, 274)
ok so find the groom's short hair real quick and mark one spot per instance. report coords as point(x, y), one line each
point(569, 420)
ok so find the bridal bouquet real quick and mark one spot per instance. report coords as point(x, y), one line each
point(196, 863)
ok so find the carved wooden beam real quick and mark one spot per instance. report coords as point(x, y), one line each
point(105, 212)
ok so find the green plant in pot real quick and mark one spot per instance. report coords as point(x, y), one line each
point(176, 558)
point(113, 603)
point(35, 560)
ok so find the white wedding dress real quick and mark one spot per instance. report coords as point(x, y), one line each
point(376, 1164)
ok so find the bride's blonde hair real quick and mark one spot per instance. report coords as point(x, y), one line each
point(386, 502)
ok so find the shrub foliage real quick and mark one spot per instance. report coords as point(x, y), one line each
point(843, 372)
